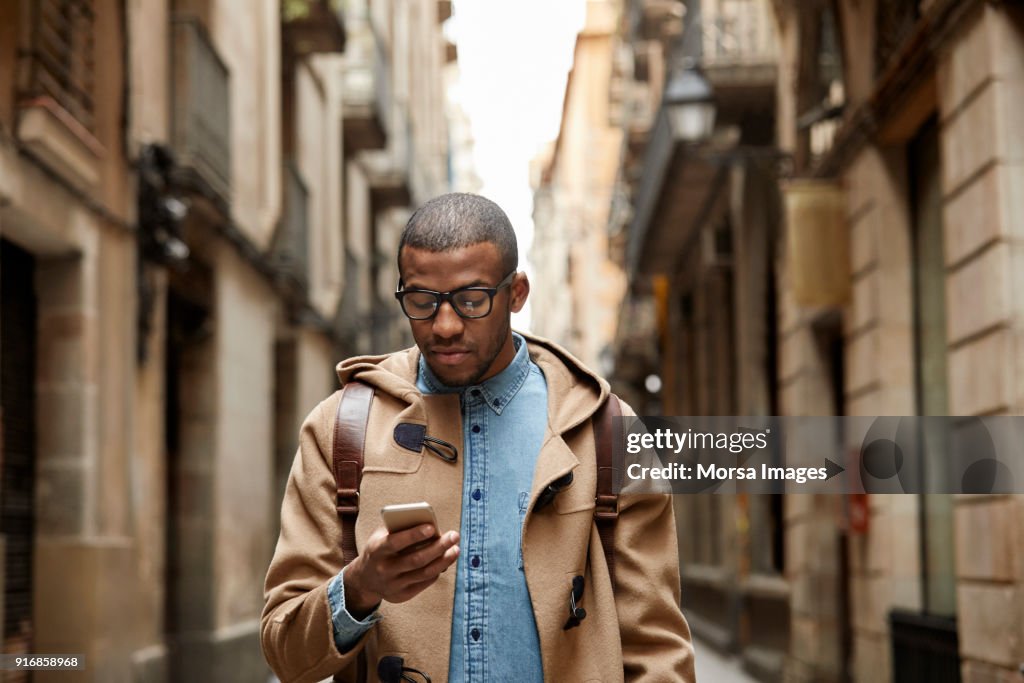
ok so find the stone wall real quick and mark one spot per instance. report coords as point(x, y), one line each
point(981, 92)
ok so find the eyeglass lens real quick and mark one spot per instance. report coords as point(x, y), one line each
point(470, 303)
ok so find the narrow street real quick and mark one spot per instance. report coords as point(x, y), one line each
point(729, 214)
point(713, 667)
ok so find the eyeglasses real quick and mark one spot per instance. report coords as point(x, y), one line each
point(468, 302)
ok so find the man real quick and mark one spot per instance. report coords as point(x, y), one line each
point(515, 506)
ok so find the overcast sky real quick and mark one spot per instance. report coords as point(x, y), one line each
point(514, 58)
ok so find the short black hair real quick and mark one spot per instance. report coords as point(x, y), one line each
point(459, 219)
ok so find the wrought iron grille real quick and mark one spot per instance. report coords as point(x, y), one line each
point(60, 57)
point(353, 317)
point(202, 105)
point(738, 31)
point(292, 244)
point(894, 22)
point(382, 83)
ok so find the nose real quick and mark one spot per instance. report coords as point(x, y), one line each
point(447, 323)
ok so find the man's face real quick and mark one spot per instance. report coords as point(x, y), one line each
point(463, 351)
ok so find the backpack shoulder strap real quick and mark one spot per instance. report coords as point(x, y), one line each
point(349, 440)
point(606, 508)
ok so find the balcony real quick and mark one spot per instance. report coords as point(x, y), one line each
point(894, 24)
point(387, 172)
point(738, 32)
point(671, 199)
point(290, 250)
point(655, 19)
point(60, 58)
point(354, 295)
point(739, 54)
point(444, 10)
point(636, 343)
point(367, 100)
point(201, 115)
point(733, 43)
point(56, 89)
point(310, 26)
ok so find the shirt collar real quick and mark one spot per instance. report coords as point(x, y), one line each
point(497, 391)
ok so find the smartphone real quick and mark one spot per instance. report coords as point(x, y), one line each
point(408, 515)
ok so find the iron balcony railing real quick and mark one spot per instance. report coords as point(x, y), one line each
point(382, 84)
point(737, 32)
point(654, 19)
point(367, 97)
point(657, 158)
point(291, 246)
point(353, 281)
point(354, 306)
point(202, 106)
point(310, 26)
point(895, 21)
point(59, 61)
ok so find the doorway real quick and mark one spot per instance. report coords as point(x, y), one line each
point(18, 448)
point(189, 416)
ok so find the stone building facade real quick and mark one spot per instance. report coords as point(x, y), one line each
point(197, 200)
point(896, 297)
point(923, 156)
point(697, 238)
point(572, 201)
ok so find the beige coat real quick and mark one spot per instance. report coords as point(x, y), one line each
point(640, 635)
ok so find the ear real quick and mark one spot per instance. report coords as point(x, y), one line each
point(519, 290)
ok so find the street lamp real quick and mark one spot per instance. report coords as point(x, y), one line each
point(690, 106)
point(161, 213)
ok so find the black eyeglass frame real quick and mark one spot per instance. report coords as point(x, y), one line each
point(441, 297)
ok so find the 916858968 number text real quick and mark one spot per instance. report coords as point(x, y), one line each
point(41, 662)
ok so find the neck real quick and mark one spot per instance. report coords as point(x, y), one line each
point(502, 360)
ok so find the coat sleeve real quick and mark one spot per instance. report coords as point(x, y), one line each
point(296, 631)
point(656, 643)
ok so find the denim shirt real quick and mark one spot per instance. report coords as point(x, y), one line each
point(494, 634)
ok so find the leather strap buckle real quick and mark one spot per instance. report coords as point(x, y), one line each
point(348, 500)
point(606, 507)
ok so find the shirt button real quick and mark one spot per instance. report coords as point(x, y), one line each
point(475, 392)
point(497, 402)
point(476, 429)
point(475, 633)
point(475, 561)
point(477, 494)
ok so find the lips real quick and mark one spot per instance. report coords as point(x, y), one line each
point(450, 356)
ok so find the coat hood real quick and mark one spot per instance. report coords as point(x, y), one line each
point(574, 391)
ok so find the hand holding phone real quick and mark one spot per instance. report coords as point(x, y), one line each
point(398, 561)
point(406, 516)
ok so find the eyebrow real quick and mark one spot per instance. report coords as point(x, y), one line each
point(475, 283)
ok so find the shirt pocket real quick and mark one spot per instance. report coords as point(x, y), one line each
point(524, 503)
